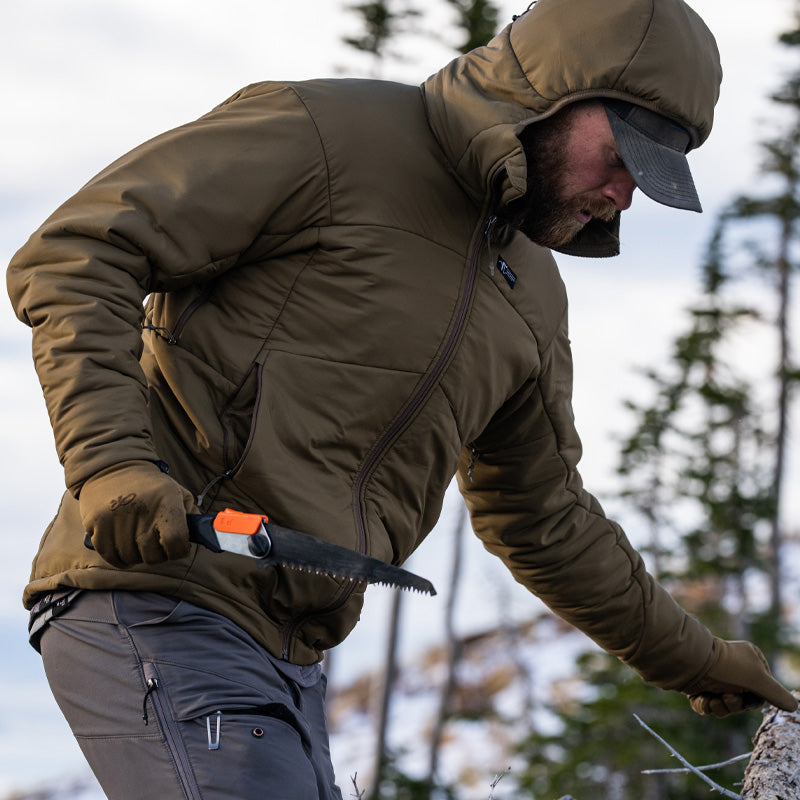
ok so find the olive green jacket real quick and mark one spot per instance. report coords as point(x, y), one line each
point(333, 328)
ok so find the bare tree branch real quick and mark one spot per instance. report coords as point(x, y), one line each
point(714, 786)
point(497, 779)
point(705, 768)
point(359, 794)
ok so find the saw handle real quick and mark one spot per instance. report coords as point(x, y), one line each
point(205, 529)
point(201, 531)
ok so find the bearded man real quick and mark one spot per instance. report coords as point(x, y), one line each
point(321, 301)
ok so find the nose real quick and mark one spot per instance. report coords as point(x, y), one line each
point(619, 190)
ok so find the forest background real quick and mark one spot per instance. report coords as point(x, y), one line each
point(86, 81)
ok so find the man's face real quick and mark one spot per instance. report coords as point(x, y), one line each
point(575, 173)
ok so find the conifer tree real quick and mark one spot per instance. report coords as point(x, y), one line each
point(477, 20)
point(383, 22)
point(772, 256)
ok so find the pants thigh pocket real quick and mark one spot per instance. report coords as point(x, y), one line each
point(250, 753)
point(223, 745)
point(133, 767)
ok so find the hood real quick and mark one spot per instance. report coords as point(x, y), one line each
point(655, 53)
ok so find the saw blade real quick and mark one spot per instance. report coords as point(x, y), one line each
point(272, 545)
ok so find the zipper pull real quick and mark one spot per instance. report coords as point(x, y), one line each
point(471, 466)
point(487, 232)
point(152, 685)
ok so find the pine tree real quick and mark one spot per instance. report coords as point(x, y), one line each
point(772, 257)
point(383, 22)
point(478, 20)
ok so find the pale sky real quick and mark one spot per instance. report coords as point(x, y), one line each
point(84, 81)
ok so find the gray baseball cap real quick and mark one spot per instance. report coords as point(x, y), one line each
point(653, 149)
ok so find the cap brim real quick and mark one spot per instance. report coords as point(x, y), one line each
point(658, 168)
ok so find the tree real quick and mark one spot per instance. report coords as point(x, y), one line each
point(600, 752)
point(775, 761)
point(453, 647)
point(477, 19)
point(772, 257)
point(382, 23)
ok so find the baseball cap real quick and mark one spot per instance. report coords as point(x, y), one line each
point(653, 149)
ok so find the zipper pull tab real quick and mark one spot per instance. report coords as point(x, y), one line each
point(471, 466)
point(152, 685)
point(487, 232)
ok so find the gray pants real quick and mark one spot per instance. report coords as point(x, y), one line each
point(168, 700)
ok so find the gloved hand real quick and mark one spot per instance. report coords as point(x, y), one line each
point(136, 513)
point(738, 678)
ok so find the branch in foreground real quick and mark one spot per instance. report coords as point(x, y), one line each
point(704, 768)
point(497, 779)
point(774, 769)
point(359, 794)
point(715, 787)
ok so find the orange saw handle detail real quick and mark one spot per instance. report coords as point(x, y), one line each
point(231, 521)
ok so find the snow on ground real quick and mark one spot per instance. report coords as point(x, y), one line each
point(505, 678)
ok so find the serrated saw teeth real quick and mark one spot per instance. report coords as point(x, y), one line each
point(251, 535)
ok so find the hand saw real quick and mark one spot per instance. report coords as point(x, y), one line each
point(253, 535)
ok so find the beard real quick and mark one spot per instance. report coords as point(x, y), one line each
point(544, 214)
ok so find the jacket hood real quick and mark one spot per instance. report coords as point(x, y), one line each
point(655, 53)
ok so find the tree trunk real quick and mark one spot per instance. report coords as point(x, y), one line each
point(453, 647)
point(774, 769)
point(389, 675)
point(783, 269)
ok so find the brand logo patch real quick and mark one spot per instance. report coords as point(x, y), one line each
point(506, 271)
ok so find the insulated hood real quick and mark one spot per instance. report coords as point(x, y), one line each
point(657, 54)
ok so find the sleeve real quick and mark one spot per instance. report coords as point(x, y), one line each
point(528, 505)
point(179, 209)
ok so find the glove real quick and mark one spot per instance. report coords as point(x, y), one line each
point(738, 678)
point(136, 513)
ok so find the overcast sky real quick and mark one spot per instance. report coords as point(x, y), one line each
point(84, 81)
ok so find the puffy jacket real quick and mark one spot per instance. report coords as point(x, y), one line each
point(333, 327)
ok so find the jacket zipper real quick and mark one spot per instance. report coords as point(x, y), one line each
point(172, 335)
point(400, 422)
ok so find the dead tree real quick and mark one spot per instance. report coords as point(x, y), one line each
point(773, 772)
point(453, 645)
point(389, 675)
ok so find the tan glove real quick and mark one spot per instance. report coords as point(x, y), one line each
point(738, 678)
point(136, 513)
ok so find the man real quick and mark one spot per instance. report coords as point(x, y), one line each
point(348, 300)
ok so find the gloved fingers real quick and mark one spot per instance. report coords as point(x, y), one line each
point(150, 547)
point(105, 528)
point(757, 681)
point(738, 679)
point(774, 694)
point(172, 535)
point(117, 551)
point(720, 705)
point(135, 513)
